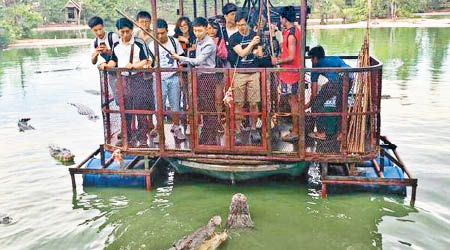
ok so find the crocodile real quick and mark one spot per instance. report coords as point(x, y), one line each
point(61, 154)
point(23, 125)
point(85, 110)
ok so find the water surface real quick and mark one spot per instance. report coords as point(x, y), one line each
point(36, 191)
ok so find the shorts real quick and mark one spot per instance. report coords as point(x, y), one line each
point(288, 89)
point(249, 82)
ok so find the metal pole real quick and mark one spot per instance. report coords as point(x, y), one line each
point(205, 9)
point(194, 7)
point(160, 116)
point(181, 8)
point(302, 120)
point(215, 7)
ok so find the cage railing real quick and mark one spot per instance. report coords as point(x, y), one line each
point(184, 115)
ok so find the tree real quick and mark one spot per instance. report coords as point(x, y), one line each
point(17, 21)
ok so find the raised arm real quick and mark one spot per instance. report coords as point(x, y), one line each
point(244, 52)
point(208, 51)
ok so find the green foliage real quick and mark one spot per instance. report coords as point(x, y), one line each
point(52, 11)
point(17, 21)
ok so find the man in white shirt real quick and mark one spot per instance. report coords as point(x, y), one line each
point(131, 53)
point(103, 42)
point(170, 86)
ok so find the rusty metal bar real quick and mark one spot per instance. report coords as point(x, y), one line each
point(194, 7)
point(194, 128)
point(262, 112)
point(89, 157)
point(302, 116)
point(102, 155)
point(246, 155)
point(180, 8)
point(344, 111)
point(205, 9)
point(124, 129)
point(133, 163)
point(215, 7)
point(377, 168)
point(109, 171)
point(353, 180)
point(72, 177)
point(160, 116)
point(107, 115)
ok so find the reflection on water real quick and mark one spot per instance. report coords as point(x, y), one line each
point(37, 194)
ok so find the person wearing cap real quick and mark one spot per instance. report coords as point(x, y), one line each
point(229, 13)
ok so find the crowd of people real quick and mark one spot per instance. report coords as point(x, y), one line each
point(204, 43)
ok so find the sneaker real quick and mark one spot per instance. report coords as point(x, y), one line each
point(178, 134)
point(255, 137)
point(291, 137)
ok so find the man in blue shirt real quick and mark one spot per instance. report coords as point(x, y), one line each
point(329, 97)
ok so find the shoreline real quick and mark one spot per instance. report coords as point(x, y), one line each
point(46, 43)
point(384, 23)
point(312, 24)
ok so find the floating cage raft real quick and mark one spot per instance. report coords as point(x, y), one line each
point(359, 151)
point(384, 174)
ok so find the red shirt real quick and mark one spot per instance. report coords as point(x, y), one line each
point(290, 77)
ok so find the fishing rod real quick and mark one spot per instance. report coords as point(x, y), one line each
point(145, 31)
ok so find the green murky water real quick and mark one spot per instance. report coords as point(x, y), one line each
point(36, 191)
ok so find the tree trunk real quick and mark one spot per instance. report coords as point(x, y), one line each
point(239, 216)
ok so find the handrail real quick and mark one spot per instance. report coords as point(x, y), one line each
point(128, 116)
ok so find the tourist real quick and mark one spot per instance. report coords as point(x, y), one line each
point(103, 42)
point(170, 88)
point(205, 57)
point(215, 32)
point(144, 20)
point(185, 35)
point(243, 43)
point(131, 53)
point(290, 59)
point(329, 97)
point(229, 13)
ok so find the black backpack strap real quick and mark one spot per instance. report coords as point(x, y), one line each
point(96, 43)
point(172, 40)
point(110, 39)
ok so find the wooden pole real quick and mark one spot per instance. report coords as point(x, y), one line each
point(152, 36)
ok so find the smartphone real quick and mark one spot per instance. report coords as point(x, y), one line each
point(102, 44)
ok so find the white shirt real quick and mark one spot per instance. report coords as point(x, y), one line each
point(164, 58)
point(121, 52)
point(97, 41)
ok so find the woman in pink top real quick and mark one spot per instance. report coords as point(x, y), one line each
point(213, 30)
